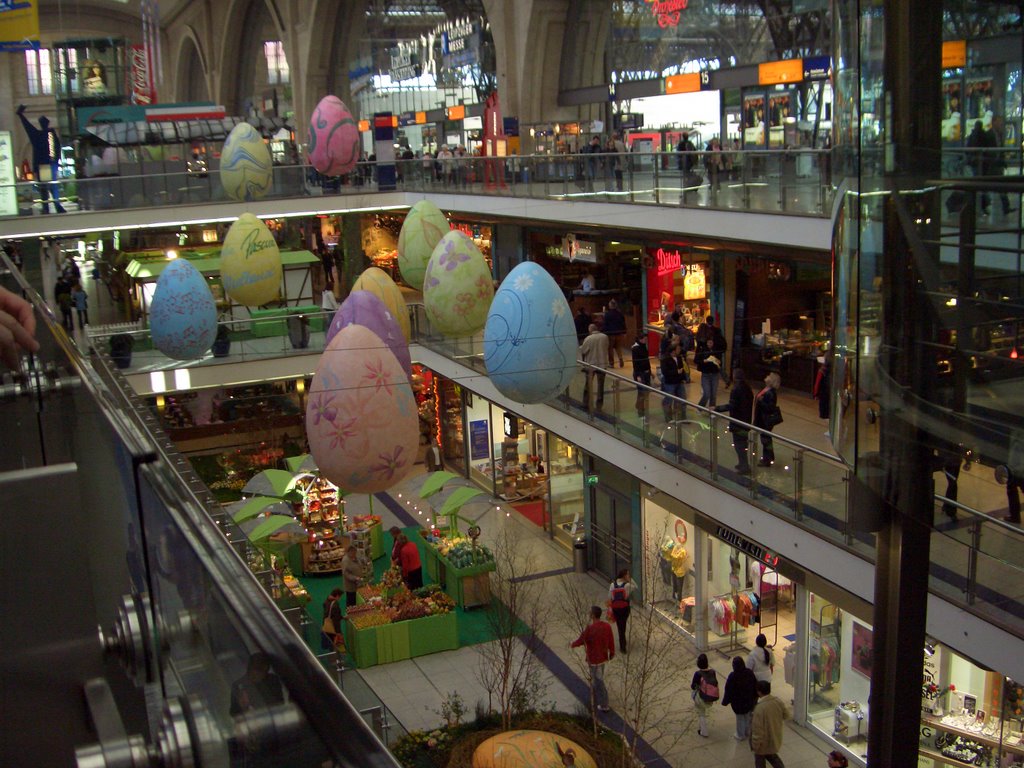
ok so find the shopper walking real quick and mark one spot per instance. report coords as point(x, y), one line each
point(594, 352)
point(409, 562)
point(620, 597)
point(593, 161)
point(741, 695)
point(766, 727)
point(741, 408)
point(761, 660)
point(582, 322)
point(673, 375)
point(81, 301)
point(767, 415)
point(641, 373)
point(710, 368)
point(615, 330)
point(600, 647)
point(621, 159)
point(704, 692)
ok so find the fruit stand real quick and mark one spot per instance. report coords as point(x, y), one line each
point(391, 623)
point(460, 566)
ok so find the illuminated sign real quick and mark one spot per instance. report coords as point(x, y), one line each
point(755, 551)
point(668, 261)
point(364, 125)
point(954, 53)
point(667, 12)
point(688, 83)
point(421, 118)
point(511, 424)
point(817, 67)
point(456, 113)
point(774, 72)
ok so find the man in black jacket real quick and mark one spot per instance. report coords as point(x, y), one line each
point(741, 408)
point(673, 375)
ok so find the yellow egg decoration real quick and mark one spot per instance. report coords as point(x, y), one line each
point(250, 263)
point(422, 230)
point(361, 419)
point(246, 168)
point(529, 749)
point(377, 281)
point(457, 286)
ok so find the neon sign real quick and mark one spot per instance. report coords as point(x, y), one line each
point(667, 11)
point(668, 261)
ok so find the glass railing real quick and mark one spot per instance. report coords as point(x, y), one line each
point(975, 562)
point(771, 181)
point(133, 542)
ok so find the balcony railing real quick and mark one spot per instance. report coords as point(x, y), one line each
point(770, 181)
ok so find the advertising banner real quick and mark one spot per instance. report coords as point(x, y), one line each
point(19, 25)
point(140, 81)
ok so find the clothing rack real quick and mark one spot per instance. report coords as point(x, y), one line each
point(828, 640)
point(733, 631)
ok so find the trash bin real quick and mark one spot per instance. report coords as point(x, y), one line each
point(579, 555)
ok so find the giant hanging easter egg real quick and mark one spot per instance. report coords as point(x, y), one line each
point(457, 286)
point(250, 263)
point(246, 170)
point(376, 281)
point(422, 230)
point(333, 138)
point(530, 339)
point(366, 309)
point(183, 315)
point(361, 419)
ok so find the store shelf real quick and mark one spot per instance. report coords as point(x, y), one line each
point(988, 741)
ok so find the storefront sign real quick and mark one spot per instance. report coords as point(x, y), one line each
point(479, 440)
point(667, 261)
point(667, 12)
point(695, 284)
point(19, 25)
point(8, 192)
point(460, 44)
point(954, 53)
point(511, 423)
point(755, 551)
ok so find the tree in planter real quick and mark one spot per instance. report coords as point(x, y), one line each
point(508, 666)
point(646, 699)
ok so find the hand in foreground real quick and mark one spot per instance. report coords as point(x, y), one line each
point(17, 329)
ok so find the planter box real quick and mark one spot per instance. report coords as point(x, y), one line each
point(402, 640)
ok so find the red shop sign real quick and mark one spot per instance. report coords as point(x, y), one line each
point(667, 11)
point(667, 262)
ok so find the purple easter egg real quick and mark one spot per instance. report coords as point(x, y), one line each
point(366, 309)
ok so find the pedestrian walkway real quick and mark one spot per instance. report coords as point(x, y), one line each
point(413, 690)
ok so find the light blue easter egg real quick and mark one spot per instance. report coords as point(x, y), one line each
point(529, 338)
point(183, 315)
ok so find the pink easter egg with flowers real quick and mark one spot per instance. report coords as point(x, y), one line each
point(333, 138)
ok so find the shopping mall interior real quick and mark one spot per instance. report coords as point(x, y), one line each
point(383, 296)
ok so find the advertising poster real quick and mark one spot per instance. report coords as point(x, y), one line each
point(8, 192)
point(753, 121)
point(479, 440)
point(778, 110)
point(952, 111)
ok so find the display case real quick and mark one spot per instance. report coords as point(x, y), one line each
point(322, 555)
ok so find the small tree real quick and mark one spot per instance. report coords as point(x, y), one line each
point(508, 666)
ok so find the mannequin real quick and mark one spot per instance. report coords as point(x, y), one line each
point(45, 159)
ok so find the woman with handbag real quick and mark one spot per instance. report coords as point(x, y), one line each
point(331, 629)
point(767, 415)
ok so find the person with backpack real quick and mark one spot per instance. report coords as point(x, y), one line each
point(705, 693)
point(620, 595)
point(741, 695)
point(761, 660)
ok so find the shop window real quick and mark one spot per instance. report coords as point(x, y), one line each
point(39, 71)
point(277, 63)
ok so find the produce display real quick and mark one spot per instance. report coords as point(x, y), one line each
point(459, 550)
point(361, 521)
point(320, 504)
point(388, 602)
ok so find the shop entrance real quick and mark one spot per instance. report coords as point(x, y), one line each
point(611, 531)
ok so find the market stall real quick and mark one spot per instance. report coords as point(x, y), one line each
point(392, 624)
point(459, 565)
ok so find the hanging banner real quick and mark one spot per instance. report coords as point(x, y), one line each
point(19, 25)
point(8, 192)
point(140, 82)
